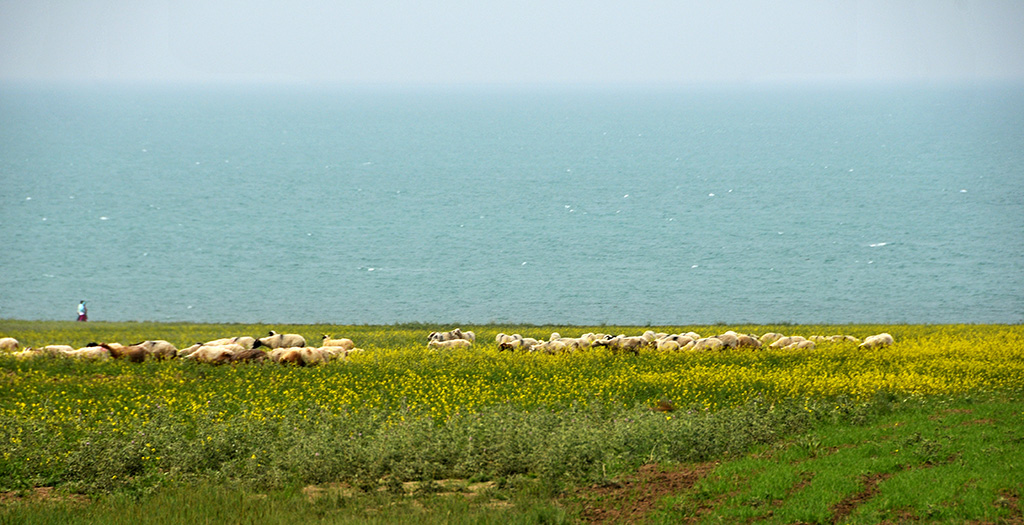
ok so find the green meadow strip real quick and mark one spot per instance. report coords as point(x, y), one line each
point(400, 413)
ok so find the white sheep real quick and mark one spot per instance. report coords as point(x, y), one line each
point(708, 343)
point(786, 341)
point(9, 344)
point(347, 344)
point(91, 353)
point(215, 354)
point(276, 340)
point(804, 344)
point(314, 356)
point(513, 344)
point(56, 349)
point(287, 356)
point(668, 345)
point(159, 349)
point(552, 347)
point(728, 339)
point(185, 352)
point(877, 341)
point(450, 344)
point(334, 352)
point(452, 334)
point(506, 338)
point(622, 343)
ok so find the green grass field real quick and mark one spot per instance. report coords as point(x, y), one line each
point(929, 429)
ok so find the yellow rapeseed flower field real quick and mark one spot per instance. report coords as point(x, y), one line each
point(400, 380)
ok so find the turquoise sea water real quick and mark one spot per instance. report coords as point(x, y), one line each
point(897, 204)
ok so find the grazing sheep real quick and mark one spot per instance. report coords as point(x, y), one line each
point(132, 354)
point(681, 339)
point(334, 353)
point(249, 355)
point(708, 343)
point(185, 352)
point(212, 354)
point(286, 355)
point(92, 352)
point(243, 340)
point(56, 349)
point(276, 340)
point(551, 347)
point(9, 344)
point(159, 349)
point(450, 344)
point(452, 334)
point(804, 344)
point(770, 337)
point(621, 343)
point(505, 338)
point(668, 345)
point(747, 341)
point(514, 344)
point(313, 356)
point(728, 339)
point(29, 353)
point(877, 341)
point(347, 344)
point(786, 341)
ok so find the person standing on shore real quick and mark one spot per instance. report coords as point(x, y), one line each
point(83, 312)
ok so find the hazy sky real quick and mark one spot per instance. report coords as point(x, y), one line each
point(511, 42)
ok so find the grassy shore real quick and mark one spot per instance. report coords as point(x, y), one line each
point(928, 429)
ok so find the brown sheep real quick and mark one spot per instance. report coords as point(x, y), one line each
point(132, 354)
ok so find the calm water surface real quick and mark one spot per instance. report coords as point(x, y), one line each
point(669, 207)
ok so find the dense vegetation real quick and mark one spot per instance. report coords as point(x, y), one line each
point(398, 413)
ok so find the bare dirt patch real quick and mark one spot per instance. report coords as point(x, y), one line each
point(444, 487)
point(632, 498)
point(41, 495)
point(844, 508)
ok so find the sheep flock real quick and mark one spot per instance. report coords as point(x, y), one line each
point(292, 348)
